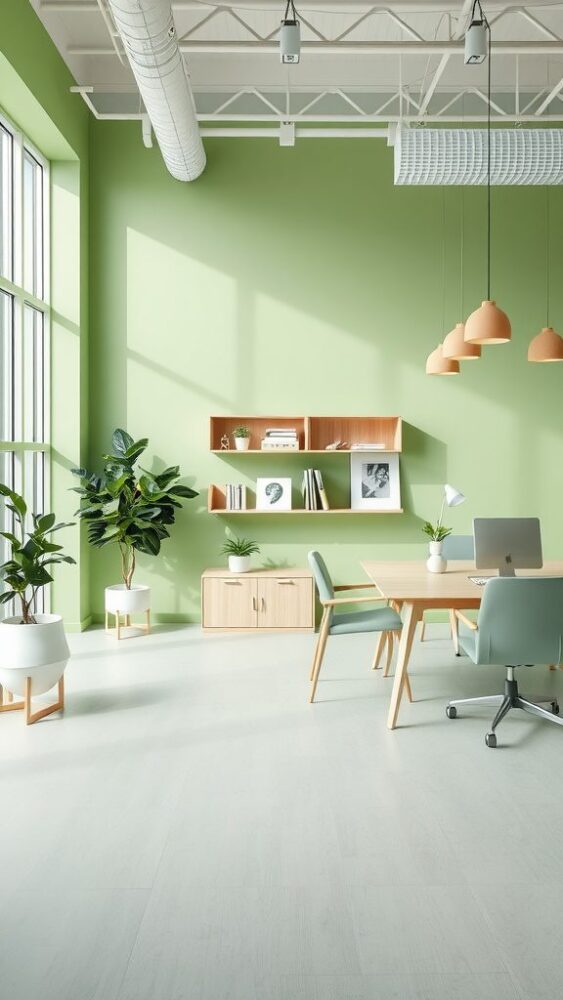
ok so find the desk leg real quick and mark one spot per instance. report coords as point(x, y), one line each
point(410, 618)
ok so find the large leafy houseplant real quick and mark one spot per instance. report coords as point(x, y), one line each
point(26, 571)
point(129, 507)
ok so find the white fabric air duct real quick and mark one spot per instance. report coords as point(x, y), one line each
point(459, 156)
point(148, 34)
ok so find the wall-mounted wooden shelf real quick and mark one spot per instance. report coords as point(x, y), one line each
point(314, 433)
point(217, 504)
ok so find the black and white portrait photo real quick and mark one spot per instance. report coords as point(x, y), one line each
point(374, 481)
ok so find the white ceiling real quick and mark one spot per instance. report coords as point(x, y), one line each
point(365, 80)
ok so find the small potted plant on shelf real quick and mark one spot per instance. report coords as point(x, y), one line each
point(132, 509)
point(239, 551)
point(34, 647)
point(242, 438)
point(436, 533)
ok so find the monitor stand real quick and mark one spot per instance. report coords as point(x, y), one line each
point(507, 569)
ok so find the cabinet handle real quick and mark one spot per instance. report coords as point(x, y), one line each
point(232, 583)
point(263, 604)
point(254, 608)
point(286, 583)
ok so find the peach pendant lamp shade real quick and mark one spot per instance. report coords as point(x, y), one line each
point(488, 325)
point(546, 346)
point(457, 348)
point(437, 364)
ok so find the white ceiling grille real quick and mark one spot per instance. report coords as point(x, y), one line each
point(459, 156)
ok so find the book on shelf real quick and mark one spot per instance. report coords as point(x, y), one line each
point(279, 444)
point(368, 446)
point(280, 432)
point(235, 496)
point(314, 493)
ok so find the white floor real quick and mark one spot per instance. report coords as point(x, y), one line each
point(191, 829)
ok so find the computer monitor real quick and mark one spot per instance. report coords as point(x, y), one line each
point(507, 543)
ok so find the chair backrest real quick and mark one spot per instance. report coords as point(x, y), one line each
point(459, 547)
point(521, 621)
point(322, 576)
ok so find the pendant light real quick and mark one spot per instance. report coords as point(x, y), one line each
point(547, 345)
point(436, 363)
point(488, 324)
point(455, 347)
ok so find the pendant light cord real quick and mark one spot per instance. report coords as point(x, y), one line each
point(547, 255)
point(488, 162)
point(461, 235)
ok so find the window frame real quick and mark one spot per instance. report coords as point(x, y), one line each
point(21, 300)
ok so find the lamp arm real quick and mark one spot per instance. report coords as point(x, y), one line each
point(439, 525)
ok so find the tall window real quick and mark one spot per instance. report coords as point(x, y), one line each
point(24, 325)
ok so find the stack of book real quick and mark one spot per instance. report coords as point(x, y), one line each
point(280, 438)
point(235, 495)
point(314, 493)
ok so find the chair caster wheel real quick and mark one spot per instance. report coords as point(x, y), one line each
point(491, 740)
point(458, 654)
point(451, 712)
point(555, 707)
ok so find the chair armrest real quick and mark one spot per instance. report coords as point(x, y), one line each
point(356, 586)
point(351, 600)
point(467, 621)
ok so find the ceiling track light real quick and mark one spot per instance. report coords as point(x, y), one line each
point(488, 324)
point(290, 35)
point(475, 51)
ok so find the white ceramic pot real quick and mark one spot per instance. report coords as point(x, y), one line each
point(239, 564)
point(38, 651)
point(242, 444)
point(127, 602)
point(436, 562)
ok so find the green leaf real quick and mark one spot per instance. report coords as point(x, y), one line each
point(18, 501)
point(136, 449)
point(8, 595)
point(11, 538)
point(121, 441)
point(46, 522)
point(81, 473)
point(183, 491)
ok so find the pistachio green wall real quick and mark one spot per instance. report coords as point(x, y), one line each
point(35, 92)
point(301, 281)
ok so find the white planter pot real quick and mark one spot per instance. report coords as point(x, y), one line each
point(436, 562)
point(239, 564)
point(127, 602)
point(242, 444)
point(37, 651)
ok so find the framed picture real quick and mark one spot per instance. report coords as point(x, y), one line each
point(273, 494)
point(374, 481)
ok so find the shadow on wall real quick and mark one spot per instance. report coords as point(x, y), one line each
point(244, 293)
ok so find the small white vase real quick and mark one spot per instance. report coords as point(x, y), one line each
point(436, 562)
point(242, 444)
point(239, 564)
point(127, 602)
point(37, 651)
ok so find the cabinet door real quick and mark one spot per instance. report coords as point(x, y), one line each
point(229, 603)
point(285, 602)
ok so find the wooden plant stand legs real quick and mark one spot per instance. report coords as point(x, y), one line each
point(7, 703)
point(126, 622)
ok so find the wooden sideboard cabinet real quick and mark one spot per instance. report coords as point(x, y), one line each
point(272, 600)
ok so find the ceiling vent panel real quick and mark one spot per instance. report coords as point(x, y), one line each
point(147, 30)
point(459, 156)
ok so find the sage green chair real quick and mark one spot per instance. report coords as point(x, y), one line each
point(384, 620)
point(520, 623)
point(454, 547)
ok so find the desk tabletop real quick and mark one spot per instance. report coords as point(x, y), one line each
point(409, 580)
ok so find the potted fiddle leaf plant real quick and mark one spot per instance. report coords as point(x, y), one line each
point(131, 509)
point(241, 437)
point(34, 650)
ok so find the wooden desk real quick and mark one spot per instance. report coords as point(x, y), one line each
point(411, 585)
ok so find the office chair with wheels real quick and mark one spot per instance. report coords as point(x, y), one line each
point(384, 619)
point(520, 624)
point(454, 547)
